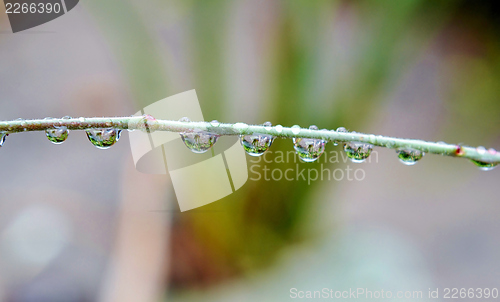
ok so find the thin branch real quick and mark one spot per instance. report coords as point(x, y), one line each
point(148, 123)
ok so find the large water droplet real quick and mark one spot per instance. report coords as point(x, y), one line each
point(483, 165)
point(214, 123)
point(279, 128)
point(256, 144)
point(309, 149)
point(199, 142)
point(409, 156)
point(358, 152)
point(341, 129)
point(3, 136)
point(103, 138)
point(57, 135)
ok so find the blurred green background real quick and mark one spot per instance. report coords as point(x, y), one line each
point(414, 69)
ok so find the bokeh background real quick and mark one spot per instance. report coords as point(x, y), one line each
point(81, 224)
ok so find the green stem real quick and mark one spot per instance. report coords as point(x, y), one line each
point(148, 123)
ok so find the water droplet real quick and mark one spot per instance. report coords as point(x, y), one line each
point(184, 119)
point(268, 126)
point(483, 165)
point(409, 156)
point(313, 127)
point(103, 138)
point(81, 119)
point(279, 128)
point(199, 142)
point(256, 144)
point(57, 135)
point(23, 123)
point(240, 126)
point(335, 143)
point(341, 129)
point(3, 136)
point(66, 117)
point(309, 149)
point(295, 129)
point(358, 152)
point(492, 151)
point(214, 123)
point(481, 150)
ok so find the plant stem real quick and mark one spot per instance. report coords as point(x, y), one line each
point(148, 123)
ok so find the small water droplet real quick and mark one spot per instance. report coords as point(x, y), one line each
point(240, 126)
point(184, 119)
point(103, 138)
point(358, 152)
point(268, 126)
point(313, 127)
point(57, 135)
point(200, 141)
point(81, 119)
point(481, 150)
point(341, 129)
point(492, 151)
point(409, 156)
point(3, 136)
point(484, 166)
point(256, 144)
point(309, 149)
point(214, 123)
point(279, 128)
point(66, 117)
point(335, 143)
point(295, 129)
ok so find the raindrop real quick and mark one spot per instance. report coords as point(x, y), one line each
point(341, 129)
point(81, 119)
point(481, 150)
point(268, 126)
point(57, 135)
point(313, 127)
point(214, 123)
point(3, 136)
point(484, 166)
point(409, 156)
point(309, 149)
point(358, 152)
point(256, 144)
point(240, 127)
point(23, 123)
point(295, 129)
point(199, 142)
point(103, 138)
point(184, 119)
point(279, 128)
